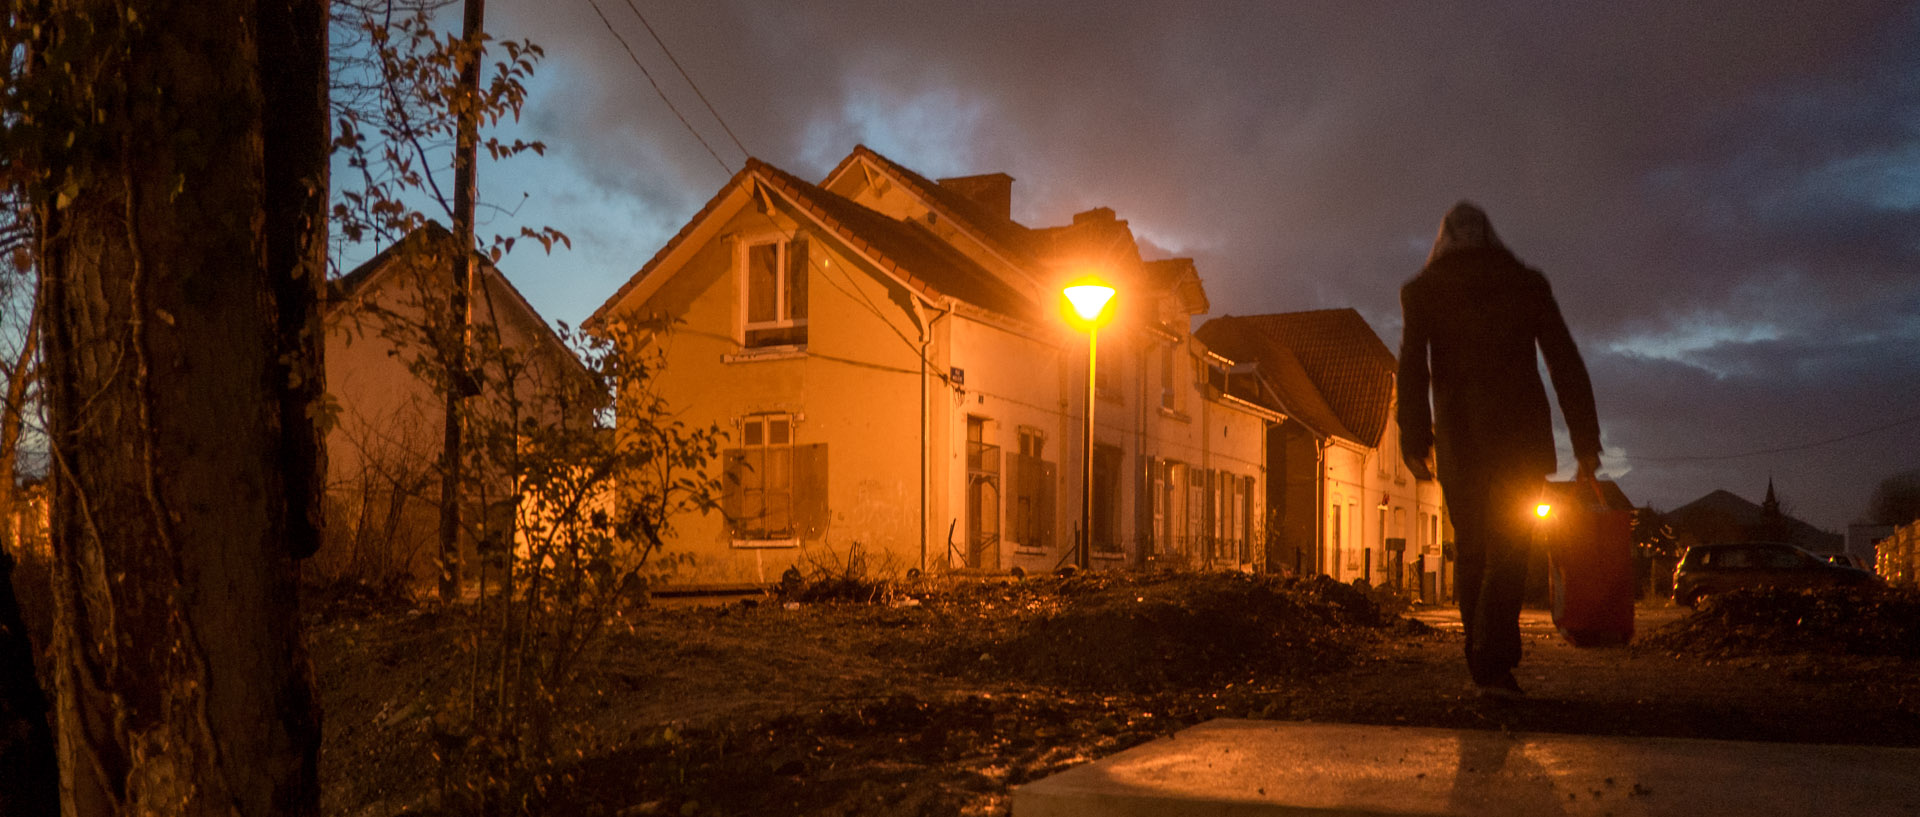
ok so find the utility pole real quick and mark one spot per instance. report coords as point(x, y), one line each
point(460, 382)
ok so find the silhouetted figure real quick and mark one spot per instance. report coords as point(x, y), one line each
point(1474, 316)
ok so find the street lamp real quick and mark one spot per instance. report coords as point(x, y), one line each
point(1088, 297)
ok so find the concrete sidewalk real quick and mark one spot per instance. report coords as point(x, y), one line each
point(1248, 768)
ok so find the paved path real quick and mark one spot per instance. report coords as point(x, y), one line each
point(1257, 768)
point(1647, 617)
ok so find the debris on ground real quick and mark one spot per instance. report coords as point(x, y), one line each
point(1870, 620)
point(938, 695)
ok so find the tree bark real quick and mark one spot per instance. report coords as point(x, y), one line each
point(181, 281)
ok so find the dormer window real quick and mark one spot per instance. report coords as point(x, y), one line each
point(773, 285)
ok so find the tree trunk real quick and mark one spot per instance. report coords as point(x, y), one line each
point(181, 281)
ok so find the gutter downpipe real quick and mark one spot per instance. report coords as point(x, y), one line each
point(1320, 447)
point(926, 423)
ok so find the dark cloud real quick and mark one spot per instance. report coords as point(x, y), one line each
point(1725, 195)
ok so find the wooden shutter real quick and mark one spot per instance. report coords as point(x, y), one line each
point(1143, 507)
point(1048, 493)
point(1253, 547)
point(810, 512)
point(733, 488)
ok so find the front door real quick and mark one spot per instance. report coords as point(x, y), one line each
point(983, 496)
point(983, 522)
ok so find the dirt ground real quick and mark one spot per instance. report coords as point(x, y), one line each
point(937, 699)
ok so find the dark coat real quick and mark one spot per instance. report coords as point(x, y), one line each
point(1475, 316)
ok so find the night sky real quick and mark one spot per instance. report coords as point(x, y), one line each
point(1726, 196)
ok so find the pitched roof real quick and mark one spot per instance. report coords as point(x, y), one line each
point(1722, 514)
point(1178, 277)
point(1006, 236)
point(1283, 383)
point(426, 237)
point(1094, 238)
point(433, 236)
point(905, 250)
point(1328, 354)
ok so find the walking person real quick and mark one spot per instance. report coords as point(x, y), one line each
point(1473, 318)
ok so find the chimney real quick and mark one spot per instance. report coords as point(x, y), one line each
point(993, 191)
point(1097, 214)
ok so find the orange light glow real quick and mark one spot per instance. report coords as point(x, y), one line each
point(1089, 297)
point(1541, 510)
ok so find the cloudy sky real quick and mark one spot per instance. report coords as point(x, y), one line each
point(1726, 196)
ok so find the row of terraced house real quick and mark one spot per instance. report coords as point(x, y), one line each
point(888, 357)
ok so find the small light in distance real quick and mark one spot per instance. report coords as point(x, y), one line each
point(1541, 510)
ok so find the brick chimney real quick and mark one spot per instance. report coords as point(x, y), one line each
point(993, 191)
point(1097, 214)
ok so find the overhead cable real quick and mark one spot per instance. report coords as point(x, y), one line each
point(657, 90)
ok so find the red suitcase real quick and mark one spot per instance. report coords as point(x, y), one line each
point(1590, 569)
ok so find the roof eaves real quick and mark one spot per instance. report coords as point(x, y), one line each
point(790, 188)
point(600, 315)
point(930, 193)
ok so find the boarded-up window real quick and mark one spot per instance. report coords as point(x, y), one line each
point(1146, 506)
point(1106, 499)
point(774, 284)
point(773, 490)
point(1034, 481)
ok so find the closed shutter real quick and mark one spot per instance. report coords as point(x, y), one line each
point(1254, 547)
point(1143, 507)
point(733, 488)
point(810, 513)
point(1049, 491)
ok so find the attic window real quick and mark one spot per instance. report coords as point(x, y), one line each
point(773, 290)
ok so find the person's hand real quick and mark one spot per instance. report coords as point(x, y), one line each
point(1589, 466)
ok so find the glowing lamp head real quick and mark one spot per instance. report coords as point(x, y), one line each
point(1089, 297)
point(1542, 510)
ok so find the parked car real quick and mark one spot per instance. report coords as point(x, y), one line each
point(1850, 560)
point(1710, 569)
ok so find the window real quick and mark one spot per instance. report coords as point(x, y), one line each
point(774, 293)
point(1176, 507)
point(1107, 373)
point(1156, 485)
point(1249, 527)
point(1106, 499)
point(1353, 538)
point(1168, 398)
point(1032, 442)
point(1333, 528)
point(1197, 512)
point(983, 495)
point(1033, 491)
point(773, 491)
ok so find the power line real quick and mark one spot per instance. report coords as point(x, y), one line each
point(658, 91)
point(683, 75)
point(1783, 449)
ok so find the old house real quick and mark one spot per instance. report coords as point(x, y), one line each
point(384, 438)
point(889, 357)
point(1722, 516)
point(1342, 500)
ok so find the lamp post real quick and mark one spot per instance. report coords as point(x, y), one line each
point(1088, 298)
